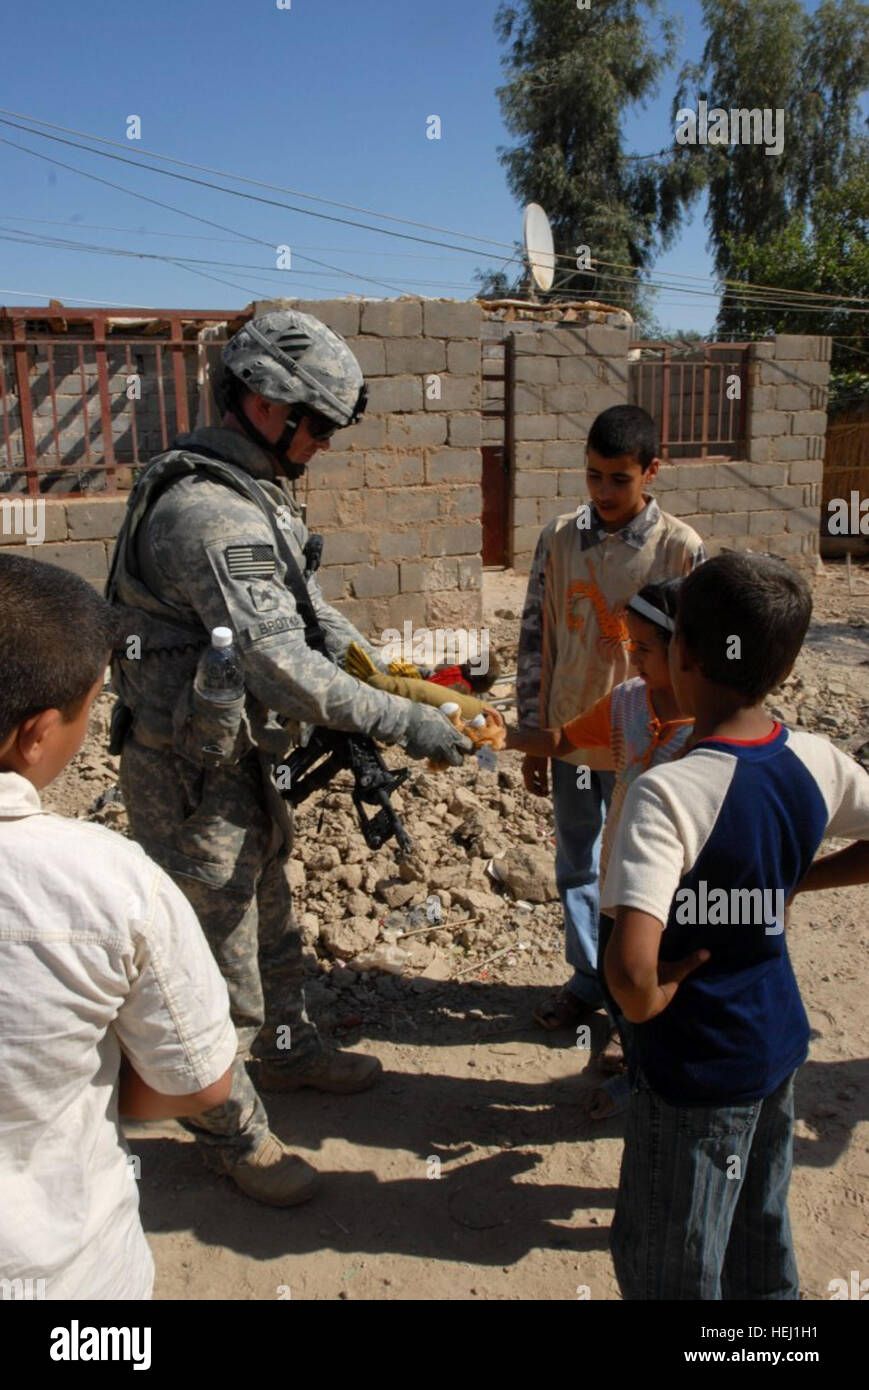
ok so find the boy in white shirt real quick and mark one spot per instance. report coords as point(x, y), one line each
point(110, 1000)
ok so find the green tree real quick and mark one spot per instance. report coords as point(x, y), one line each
point(772, 54)
point(825, 252)
point(571, 75)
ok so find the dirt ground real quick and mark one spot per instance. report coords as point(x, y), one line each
point(474, 1091)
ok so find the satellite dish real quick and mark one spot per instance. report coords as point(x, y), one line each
point(539, 246)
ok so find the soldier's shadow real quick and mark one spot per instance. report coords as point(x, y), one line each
point(476, 1212)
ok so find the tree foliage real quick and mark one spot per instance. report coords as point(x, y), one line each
point(571, 75)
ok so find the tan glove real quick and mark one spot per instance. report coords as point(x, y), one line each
point(360, 665)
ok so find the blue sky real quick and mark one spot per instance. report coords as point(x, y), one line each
point(328, 98)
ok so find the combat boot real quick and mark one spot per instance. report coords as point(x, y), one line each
point(341, 1073)
point(275, 1176)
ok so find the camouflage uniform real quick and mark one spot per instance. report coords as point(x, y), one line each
point(191, 556)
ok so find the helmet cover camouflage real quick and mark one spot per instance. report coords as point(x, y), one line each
point(293, 358)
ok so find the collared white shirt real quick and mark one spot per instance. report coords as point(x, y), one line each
point(98, 950)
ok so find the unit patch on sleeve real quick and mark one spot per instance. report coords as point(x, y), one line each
point(250, 561)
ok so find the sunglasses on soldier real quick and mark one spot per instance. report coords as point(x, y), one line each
point(320, 426)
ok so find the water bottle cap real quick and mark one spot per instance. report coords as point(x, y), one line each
point(221, 637)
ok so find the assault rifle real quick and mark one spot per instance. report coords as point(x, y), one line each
point(330, 751)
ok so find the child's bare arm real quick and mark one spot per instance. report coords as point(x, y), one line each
point(539, 743)
point(139, 1101)
point(641, 984)
point(844, 869)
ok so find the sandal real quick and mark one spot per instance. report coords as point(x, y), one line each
point(611, 1058)
point(563, 1010)
point(610, 1098)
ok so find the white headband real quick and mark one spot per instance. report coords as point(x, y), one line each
point(654, 615)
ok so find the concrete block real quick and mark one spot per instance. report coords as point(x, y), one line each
point(429, 576)
point(35, 515)
point(540, 427)
point(570, 399)
point(563, 454)
point(370, 354)
point(600, 398)
point(460, 503)
point(571, 485)
point(803, 519)
point(454, 466)
point(572, 427)
point(764, 350)
point(764, 523)
point(607, 342)
point(793, 347)
point(358, 612)
point(809, 422)
point(719, 499)
point(528, 454)
point(347, 548)
point(341, 315)
point(764, 449)
point(405, 355)
point(527, 400)
point(806, 471)
point(752, 499)
point(411, 504)
point(667, 479)
point(536, 484)
point(464, 431)
point(464, 538)
point(87, 559)
point(457, 393)
point(730, 524)
point(694, 475)
point(786, 496)
point(765, 422)
point(470, 569)
point(464, 357)
point(414, 431)
point(796, 397)
point(393, 470)
point(553, 340)
point(332, 582)
point(394, 612)
point(443, 318)
point(766, 474)
point(525, 538)
point(576, 371)
point(94, 520)
point(391, 318)
point(525, 511)
point(536, 371)
point(396, 393)
point(337, 471)
point(680, 503)
point(370, 433)
point(549, 508)
point(373, 581)
point(763, 398)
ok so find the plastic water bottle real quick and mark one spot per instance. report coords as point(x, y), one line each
point(219, 675)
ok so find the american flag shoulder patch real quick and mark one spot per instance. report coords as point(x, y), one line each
point(250, 561)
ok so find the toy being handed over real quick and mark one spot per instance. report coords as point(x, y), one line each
point(360, 665)
point(486, 729)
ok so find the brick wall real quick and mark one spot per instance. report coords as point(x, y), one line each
point(400, 505)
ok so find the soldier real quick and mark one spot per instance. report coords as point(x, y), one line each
point(214, 537)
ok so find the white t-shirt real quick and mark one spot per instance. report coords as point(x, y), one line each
point(98, 949)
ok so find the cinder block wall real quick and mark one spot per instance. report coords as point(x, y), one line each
point(400, 506)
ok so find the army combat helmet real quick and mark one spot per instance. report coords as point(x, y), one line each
point(294, 359)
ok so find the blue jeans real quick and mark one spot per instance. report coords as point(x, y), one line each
point(579, 818)
point(701, 1211)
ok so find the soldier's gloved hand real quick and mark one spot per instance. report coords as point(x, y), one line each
point(431, 735)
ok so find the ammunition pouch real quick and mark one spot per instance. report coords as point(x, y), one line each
point(208, 734)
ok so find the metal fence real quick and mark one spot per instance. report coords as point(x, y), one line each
point(87, 395)
point(696, 394)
